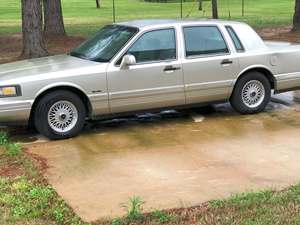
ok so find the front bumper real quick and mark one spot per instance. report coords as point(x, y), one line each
point(14, 112)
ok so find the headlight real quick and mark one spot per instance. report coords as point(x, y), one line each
point(10, 91)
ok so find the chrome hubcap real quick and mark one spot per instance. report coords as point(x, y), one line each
point(253, 93)
point(62, 116)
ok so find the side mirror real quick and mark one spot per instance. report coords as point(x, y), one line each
point(127, 61)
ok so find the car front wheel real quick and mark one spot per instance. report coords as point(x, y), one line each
point(251, 94)
point(60, 115)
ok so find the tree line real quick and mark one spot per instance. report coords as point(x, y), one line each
point(42, 19)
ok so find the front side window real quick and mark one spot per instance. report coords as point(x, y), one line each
point(105, 44)
point(203, 40)
point(154, 46)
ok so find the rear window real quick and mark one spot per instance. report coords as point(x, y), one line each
point(236, 41)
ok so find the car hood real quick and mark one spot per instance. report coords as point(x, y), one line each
point(42, 66)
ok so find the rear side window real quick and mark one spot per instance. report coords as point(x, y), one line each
point(236, 41)
point(203, 40)
point(158, 45)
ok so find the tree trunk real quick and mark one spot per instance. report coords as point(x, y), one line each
point(98, 4)
point(53, 18)
point(200, 7)
point(296, 21)
point(33, 42)
point(214, 5)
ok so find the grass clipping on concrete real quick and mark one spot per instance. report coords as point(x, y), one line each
point(27, 199)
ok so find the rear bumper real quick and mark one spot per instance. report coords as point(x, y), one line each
point(14, 112)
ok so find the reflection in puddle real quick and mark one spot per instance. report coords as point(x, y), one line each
point(163, 126)
point(177, 128)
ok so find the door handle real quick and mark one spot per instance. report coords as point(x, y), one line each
point(171, 68)
point(226, 62)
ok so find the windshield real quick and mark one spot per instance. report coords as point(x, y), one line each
point(105, 44)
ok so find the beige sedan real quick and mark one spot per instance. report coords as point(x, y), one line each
point(147, 65)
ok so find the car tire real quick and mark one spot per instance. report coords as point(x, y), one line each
point(59, 115)
point(251, 93)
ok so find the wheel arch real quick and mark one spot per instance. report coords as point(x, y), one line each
point(62, 86)
point(259, 68)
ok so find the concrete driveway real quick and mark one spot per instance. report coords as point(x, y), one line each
point(169, 160)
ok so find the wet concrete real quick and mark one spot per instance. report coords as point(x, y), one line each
point(175, 159)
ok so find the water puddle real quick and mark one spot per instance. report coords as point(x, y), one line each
point(152, 123)
point(169, 159)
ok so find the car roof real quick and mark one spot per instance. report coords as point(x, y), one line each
point(162, 22)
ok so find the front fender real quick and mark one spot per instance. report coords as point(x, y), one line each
point(59, 84)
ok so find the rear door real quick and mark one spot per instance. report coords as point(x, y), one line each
point(155, 81)
point(208, 63)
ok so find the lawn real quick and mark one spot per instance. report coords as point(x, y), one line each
point(25, 196)
point(82, 17)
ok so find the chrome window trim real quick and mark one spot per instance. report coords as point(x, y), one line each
point(139, 35)
point(239, 40)
point(204, 55)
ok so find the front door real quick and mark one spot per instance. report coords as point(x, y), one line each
point(155, 81)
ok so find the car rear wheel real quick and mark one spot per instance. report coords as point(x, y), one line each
point(59, 115)
point(251, 93)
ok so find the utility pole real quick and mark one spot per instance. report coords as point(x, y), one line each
point(97, 4)
point(181, 5)
point(214, 5)
point(200, 5)
point(243, 7)
point(114, 11)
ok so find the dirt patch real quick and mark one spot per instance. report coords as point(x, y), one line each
point(279, 34)
point(12, 169)
point(9, 167)
point(39, 162)
point(63, 44)
point(16, 166)
point(11, 46)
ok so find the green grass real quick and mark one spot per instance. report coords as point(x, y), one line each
point(25, 201)
point(253, 208)
point(26, 198)
point(11, 149)
point(82, 17)
point(133, 208)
